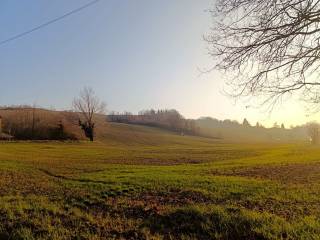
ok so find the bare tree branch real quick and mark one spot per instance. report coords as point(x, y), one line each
point(272, 48)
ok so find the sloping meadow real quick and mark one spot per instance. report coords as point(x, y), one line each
point(158, 186)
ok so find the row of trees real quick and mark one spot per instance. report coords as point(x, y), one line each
point(169, 119)
point(233, 130)
point(33, 123)
point(259, 125)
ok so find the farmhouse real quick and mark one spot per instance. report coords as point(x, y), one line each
point(4, 136)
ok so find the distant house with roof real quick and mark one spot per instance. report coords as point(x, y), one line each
point(4, 136)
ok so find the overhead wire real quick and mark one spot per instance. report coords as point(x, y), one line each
point(43, 25)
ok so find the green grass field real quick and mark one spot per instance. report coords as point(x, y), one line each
point(144, 183)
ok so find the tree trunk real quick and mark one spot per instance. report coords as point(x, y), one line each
point(88, 129)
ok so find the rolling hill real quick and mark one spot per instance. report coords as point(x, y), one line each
point(22, 120)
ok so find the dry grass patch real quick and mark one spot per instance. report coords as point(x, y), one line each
point(299, 173)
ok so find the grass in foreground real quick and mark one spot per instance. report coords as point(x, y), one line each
point(143, 183)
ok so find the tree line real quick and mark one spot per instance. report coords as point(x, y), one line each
point(33, 123)
point(232, 130)
point(169, 119)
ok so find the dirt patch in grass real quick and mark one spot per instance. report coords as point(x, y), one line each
point(151, 203)
point(13, 182)
point(175, 197)
point(181, 156)
point(289, 173)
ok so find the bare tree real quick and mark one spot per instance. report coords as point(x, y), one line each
point(314, 132)
point(246, 123)
point(88, 104)
point(271, 47)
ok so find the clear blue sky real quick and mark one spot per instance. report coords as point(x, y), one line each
point(135, 54)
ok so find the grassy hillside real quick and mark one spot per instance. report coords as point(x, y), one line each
point(25, 118)
point(233, 131)
point(129, 134)
point(108, 131)
point(143, 183)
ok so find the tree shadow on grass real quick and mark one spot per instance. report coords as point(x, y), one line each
point(191, 223)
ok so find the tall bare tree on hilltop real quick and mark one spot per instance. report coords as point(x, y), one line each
point(87, 105)
point(271, 47)
point(314, 132)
